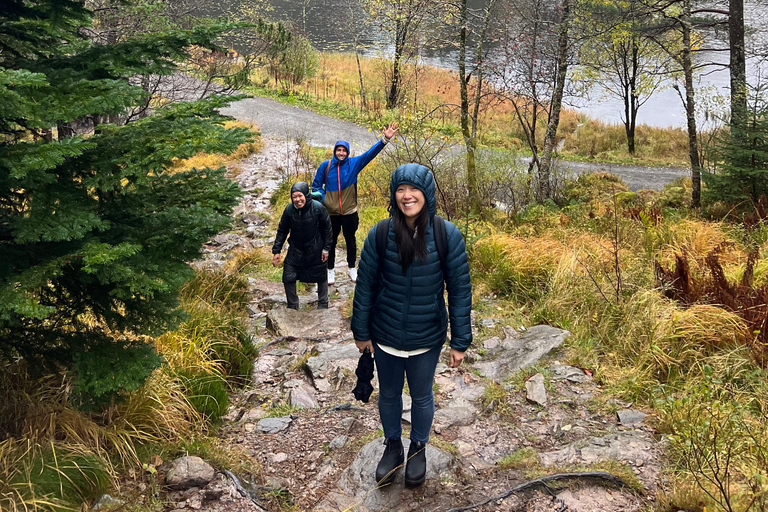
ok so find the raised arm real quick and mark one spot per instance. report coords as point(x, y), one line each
point(358, 163)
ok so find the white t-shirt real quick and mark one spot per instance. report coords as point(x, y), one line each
point(402, 353)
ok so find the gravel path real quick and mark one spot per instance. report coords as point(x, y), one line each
point(636, 177)
point(277, 120)
point(292, 123)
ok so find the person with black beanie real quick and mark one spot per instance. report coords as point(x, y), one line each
point(309, 226)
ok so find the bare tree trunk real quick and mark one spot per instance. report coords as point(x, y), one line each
point(394, 87)
point(690, 107)
point(738, 64)
point(363, 104)
point(550, 137)
point(632, 98)
point(469, 141)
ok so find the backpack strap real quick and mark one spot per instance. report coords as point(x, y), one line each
point(327, 168)
point(441, 241)
point(382, 232)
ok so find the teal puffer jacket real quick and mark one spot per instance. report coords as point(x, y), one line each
point(407, 312)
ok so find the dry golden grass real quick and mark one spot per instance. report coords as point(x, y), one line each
point(242, 259)
point(432, 90)
point(42, 477)
point(188, 353)
point(157, 412)
point(525, 255)
point(604, 141)
point(216, 160)
point(696, 239)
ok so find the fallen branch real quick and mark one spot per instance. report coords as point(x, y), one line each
point(544, 481)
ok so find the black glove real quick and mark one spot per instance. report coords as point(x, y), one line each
point(364, 373)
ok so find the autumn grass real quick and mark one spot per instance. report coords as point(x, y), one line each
point(603, 142)
point(589, 268)
point(521, 459)
point(432, 95)
point(216, 160)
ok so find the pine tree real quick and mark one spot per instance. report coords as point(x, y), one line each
point(742, 171)
point(95, 232)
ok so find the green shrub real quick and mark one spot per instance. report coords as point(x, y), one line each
point(48, 478)
point(225, 335)
point(208, 393)
point(720, 440)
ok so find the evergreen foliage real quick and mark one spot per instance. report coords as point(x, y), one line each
point(95, 233)
point(743, 155)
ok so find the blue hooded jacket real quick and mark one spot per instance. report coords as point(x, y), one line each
point(407, 312)
point(337, 180)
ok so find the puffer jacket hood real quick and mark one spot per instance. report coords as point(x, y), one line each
point(343, 144)
point(302, 187)
point(417, 176)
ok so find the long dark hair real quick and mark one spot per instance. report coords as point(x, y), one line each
point(411, 243)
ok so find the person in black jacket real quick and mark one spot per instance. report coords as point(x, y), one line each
point(309, 226)
point(399, 314)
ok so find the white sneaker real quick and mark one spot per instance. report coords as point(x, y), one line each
point(353, 274)
point(331, 276)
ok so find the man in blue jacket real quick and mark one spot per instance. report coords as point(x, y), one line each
point(336, 180)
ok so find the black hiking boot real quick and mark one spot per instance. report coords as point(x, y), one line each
point(416, 466)
point(390, 461)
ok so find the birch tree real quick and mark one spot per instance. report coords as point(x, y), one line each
point(620, 60)
point(401, 21)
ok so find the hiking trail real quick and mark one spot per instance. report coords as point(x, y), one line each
point(323, 456)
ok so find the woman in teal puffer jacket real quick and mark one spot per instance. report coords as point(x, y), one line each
point(400, 314)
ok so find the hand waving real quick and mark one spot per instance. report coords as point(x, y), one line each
point(390, 131)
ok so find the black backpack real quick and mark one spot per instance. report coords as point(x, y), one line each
point(441, 241)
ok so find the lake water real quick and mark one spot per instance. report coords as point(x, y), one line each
point(324, 22)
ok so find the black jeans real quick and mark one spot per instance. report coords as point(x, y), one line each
point(420, 372)
point(348, 224)
point(293, 298)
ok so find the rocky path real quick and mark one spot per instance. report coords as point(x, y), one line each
point(493, 429)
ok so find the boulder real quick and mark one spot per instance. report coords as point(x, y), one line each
point(319, 323)
point(630, 416)
point(569, 373)
point(357, 485)
point(189, 472)
point(274, 425)
point(450, 416)
point(302, 398)
point(342, 356)
point(624, 446)
point(338, 442)
point(522, 352)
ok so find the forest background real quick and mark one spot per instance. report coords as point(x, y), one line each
point(113, 348)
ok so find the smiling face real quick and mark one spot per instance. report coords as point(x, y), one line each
point(340, 152)
point(410, 201)
point(298, 199)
